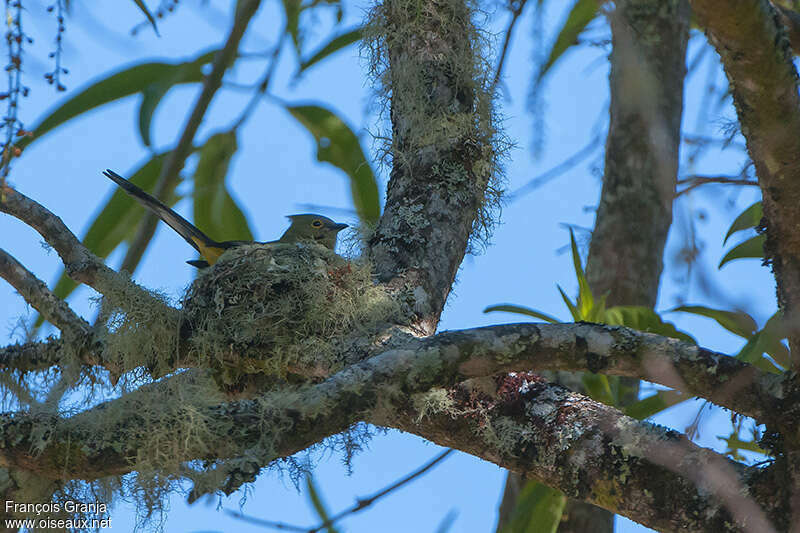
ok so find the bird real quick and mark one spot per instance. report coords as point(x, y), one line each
point(306, 227)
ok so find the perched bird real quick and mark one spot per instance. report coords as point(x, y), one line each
point(304, 228)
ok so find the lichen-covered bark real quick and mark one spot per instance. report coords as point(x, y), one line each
point(128, 433)
point(757, 58)
point(589, 451)
point(756, 55)
point(442, 153)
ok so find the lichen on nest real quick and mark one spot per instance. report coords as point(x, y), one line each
point(281, 309)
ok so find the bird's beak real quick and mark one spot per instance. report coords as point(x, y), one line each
point(340, 227)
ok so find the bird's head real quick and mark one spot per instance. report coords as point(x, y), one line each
point(311, 227)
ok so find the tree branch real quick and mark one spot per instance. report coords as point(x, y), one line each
point(591, 452)
point(36, 293)
point(441, 361)
point(754, 50)
point(80, 264)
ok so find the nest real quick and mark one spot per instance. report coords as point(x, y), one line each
point(281, 310)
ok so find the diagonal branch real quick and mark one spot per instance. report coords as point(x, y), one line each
point(80, 264)
point(36, 293)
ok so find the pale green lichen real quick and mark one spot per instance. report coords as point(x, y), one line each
point(432, 65)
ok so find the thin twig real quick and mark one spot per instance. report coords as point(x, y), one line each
point(361, 503)
point(693, 182)
point(245, 10)
point(263, 85)
point(517, 6)
point(36, 293)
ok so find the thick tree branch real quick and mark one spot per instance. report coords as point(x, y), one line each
point(754, 50)
point(585, 448)
point(244, 12)
point(36, 293)
point(443, 152)
point(591, 452)
point(441, 361)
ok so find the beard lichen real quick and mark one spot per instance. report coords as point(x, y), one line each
point(282, 311)
point(141, 333)
point(434, 75)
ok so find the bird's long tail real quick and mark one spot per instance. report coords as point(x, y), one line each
point(196, 238)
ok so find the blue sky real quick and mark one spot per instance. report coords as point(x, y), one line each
point(275, 173)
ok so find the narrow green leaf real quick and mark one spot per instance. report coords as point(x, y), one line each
point(573, 310)
point(768, 340)
point(655, 403)
point(215, 211)
point(773, 332)
point(749, 218)
point(538, 510)
point(339, 42)
point(317, 503)
point(753, 247)
point(338, 145)
point(151, 97)
point(737, 322)
point(521, 310)
point(643, 319)
point(116, 222)
point(124, 83)
point(291, 10)
point(582, 13)
point(143, 7)
point(585, 298)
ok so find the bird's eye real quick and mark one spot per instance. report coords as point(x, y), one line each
point(317, 223)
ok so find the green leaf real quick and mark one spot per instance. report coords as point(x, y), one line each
point(753, 353)
point(291, 9)
point(737, 322)
point(582, 13)
point(585, 297)
point(735, 444)
point(338, 145)
point(655, 403)
point(538, 510)
point(753, 247)
point(215, 211)
point(643, 319)
point(573, 310)
point(768, 340)
point(116, 222)
point(141, 5)
point(317, 503)
point(339, 42)
point(151, 97)
point(119, 85)
point(598, 388)
point(521, 310)
point(749, 218)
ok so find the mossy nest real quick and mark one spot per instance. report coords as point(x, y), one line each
point(281, 310)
